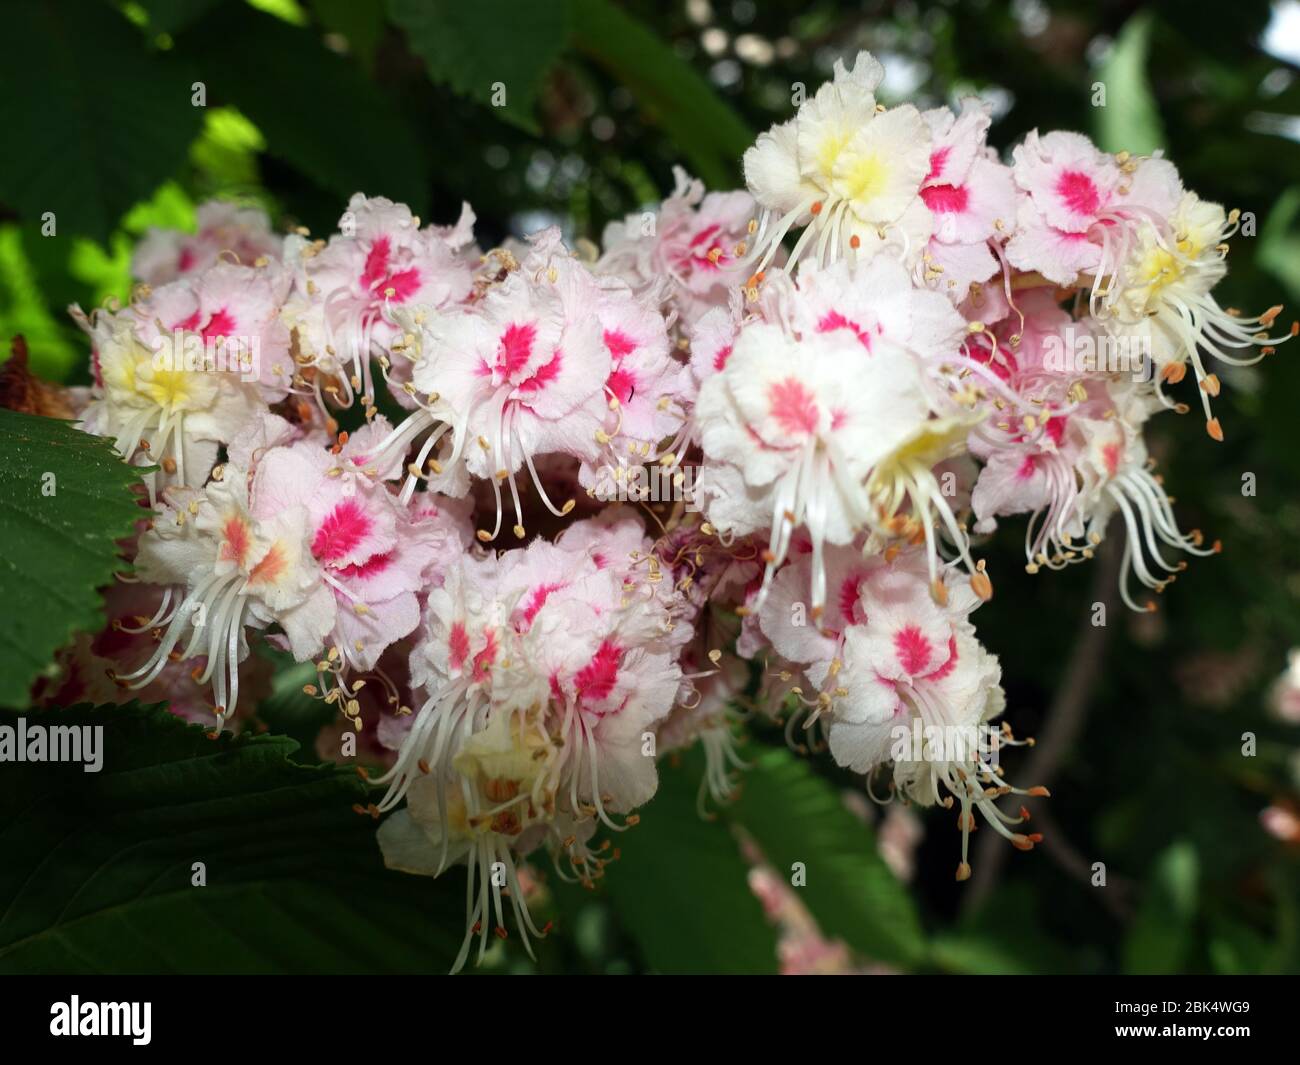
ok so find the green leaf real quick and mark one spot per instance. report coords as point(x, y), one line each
point(316, 110)
point(476, 47)
point(169, 16)
point(93, 121)
point(1278, 251)
point(1160, 939)
point(65, 499)
point(796, 816)
point(706, 129)
point(680, 887)
point(99, 867)
point(1130, 120)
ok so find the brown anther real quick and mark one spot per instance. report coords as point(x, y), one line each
point(855, 241)
point(1211, 384)
point(1039, 792)
point(816, 208)
point(963, 871)
point(1174, 372)
point(1214, 429)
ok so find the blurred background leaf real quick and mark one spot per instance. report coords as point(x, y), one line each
point(680, 889)
point(793, 815)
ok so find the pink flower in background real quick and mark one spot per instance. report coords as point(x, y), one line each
point(224, 231)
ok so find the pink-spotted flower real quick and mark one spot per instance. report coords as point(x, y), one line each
point(226, 568)
point(887, 663)
point(522, 372)
point(348, 288)
point(545, 673)
point(791, 429)
point(972, 197)
point(224, 231)
point(695, 240)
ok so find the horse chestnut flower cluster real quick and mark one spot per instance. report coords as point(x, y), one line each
point(588, 509)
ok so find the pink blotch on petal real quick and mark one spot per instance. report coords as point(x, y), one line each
point(343, 528)
point(597, 679)
point(1078, 191)
point(938, 158)
point(793, 407)
point(484, 659)
point(948, 666)
point(371, 566)
point(516, 348)
point(619, 343)
point(849, 593)
point(536, 601)
point(543, 377)
point(458, 644)
point(622, 383)
point(833, 320)
point(913, 649)
point(946, 199)
point(1110, 455)
point(376, 266)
